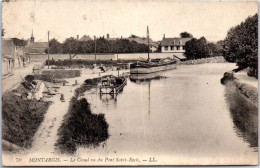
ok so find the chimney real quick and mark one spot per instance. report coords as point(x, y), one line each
point(107, 36)
point(164, 36)
point(77, 37)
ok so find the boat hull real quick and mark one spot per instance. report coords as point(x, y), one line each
point(147, 70)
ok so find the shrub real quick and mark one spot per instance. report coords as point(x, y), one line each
point(81, 128)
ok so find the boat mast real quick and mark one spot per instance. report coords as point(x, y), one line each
point(95, 39)
point(48, 50)
point(148, 43)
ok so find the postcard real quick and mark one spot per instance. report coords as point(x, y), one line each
point(129, 83)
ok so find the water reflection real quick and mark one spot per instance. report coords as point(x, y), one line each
point(146, 77)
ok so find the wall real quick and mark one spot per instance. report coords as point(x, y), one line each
point(7, 66)
point(218, 59)
point(143, 56)
point(43, 57)
point(174, 50)
point(128, 56)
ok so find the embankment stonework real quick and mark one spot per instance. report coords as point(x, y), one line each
point(218, 59)
point(250, 92)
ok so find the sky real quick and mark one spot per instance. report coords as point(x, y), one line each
point(68, 18)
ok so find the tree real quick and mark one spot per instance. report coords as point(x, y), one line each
point(212, 49)
point(197, 48)
point(241, 45)
point(71, 46)
point(19, 42)
point(186, 35)
point(55, 46)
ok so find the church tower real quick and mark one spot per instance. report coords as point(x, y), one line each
point(32, 38)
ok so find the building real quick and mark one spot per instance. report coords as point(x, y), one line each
point(140, 40)
point(8, 52)
point(36, 47)
point(175, 46)
point(113, 39)
point(85, 38)
point(13, 56)
point(154, 46)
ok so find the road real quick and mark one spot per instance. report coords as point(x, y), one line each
point(11, 81)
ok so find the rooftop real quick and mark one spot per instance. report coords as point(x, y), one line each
point(85, 38)
point(174, 41)
point(37, 47)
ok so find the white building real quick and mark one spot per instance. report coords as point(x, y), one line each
point(174, 45)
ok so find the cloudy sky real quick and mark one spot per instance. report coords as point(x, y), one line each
point(66, 18)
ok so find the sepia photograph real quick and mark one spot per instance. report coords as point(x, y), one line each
point(129, 83)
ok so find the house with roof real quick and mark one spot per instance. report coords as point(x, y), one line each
point(85, 38)
point(38, 48)
point(175, 46)
point(8, 50)
point(140, 40)
point(12, 56)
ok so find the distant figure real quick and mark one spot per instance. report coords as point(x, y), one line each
point(62, 98)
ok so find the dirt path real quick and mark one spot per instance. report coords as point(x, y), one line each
point(11, 81)
point(244, 78)
point(46, 135)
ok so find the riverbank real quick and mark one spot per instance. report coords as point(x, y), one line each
point(247, 87)
point(242, 99)
point(219, 59)
point(20, 120)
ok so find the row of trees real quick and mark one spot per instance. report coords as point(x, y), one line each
point(241, 45)
point(71, 45)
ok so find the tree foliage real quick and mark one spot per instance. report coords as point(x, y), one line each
point(55, 46)
point(19, 42)
point(241, 44)
point(73, 46)
point(186, 35)
point(200, 48)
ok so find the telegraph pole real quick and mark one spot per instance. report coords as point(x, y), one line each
point(148, 43)
point(95, 49)
point(48, 50)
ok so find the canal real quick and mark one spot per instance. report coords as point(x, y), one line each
point(179, 117)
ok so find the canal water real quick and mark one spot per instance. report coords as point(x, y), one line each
point(179, 117)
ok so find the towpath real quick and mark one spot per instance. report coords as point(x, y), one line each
point(244, 78)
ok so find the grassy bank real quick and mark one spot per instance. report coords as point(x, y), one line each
point(80, 127)
point(21, 119)
point(242, 102)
